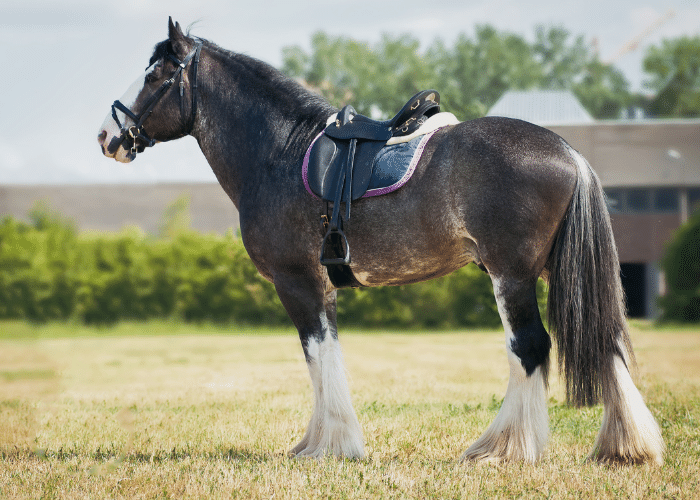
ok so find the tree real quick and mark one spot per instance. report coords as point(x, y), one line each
point(475, 73)
point(569, 65)
point(470, 76)
point(674, 66)
point(375, 80)
point(560, 62)
point(602, 90)
point(681, 266)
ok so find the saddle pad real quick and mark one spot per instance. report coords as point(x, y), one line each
point(392, 167)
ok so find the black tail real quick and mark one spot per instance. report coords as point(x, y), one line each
point(586, 306)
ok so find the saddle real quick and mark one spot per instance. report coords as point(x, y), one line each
point(340, 169)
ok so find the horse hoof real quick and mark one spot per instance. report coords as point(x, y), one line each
point(480, 457)
point(485, 451)
point(304, 454)
point(320, 454)
point(621, 459)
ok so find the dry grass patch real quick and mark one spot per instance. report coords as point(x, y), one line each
point(211, 415)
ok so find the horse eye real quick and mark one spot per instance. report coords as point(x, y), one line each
point(153, 75)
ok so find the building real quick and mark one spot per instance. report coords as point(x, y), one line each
point(110, 207)
point(650, 171)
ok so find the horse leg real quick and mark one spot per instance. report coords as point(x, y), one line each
point(521, 428)
point(334, 428)
point(629, 434)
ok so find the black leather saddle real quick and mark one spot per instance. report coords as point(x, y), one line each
point(340, 168)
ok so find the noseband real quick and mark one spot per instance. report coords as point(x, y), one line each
point(136, 133)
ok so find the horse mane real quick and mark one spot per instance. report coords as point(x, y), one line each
point(305, 111)
point(278, 86)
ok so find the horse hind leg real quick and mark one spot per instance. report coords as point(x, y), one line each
point(521, 428)
point(629, 434)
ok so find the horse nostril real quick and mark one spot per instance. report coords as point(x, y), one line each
point(101, 137)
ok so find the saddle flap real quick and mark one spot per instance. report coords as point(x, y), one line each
point(322, 157)
point(327, 162)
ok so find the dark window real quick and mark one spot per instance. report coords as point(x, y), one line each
point(693, 199)
point(649, 200)
point(615, 199)
point(638, 200)
point(634, 284)
point(666, 200)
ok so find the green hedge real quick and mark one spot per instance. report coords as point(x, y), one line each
point(49, 271)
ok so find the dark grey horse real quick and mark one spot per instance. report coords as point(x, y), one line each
point(510, 196)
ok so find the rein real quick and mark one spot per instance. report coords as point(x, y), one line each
point(136, 132)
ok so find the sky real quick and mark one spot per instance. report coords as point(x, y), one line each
point(65, 61)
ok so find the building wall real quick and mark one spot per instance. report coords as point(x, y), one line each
point(650, 170)
point(111, 207)
point(643, 237)
point(639, 153)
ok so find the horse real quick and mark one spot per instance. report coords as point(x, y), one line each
point(514, 198)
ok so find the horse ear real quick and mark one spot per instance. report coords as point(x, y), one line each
point(178, 40)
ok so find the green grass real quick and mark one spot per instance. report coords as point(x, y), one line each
point(22, 330)
point(167, 410)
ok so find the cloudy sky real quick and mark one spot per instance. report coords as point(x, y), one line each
point(65, 61)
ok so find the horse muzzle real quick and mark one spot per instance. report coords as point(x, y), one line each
point(117, 146)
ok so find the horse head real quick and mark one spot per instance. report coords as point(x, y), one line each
point(160, 105)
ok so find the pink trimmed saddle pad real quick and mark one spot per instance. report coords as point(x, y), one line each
point(392, 167)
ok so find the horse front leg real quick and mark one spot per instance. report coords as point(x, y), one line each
point(334, 428)
point(521, 428)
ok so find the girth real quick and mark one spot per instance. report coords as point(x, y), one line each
point(340, 169)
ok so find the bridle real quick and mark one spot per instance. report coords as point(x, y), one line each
point(136, 133)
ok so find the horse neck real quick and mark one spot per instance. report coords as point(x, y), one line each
point(253, 121)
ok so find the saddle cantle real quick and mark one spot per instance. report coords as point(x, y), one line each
point(340, 168)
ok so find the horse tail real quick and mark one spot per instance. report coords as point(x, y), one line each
point(586, 305)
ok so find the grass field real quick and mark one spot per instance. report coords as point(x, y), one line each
point(162, 410)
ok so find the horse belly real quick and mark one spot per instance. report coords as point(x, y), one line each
point(409, 259)
point(414, 234)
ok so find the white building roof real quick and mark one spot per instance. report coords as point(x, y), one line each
point(543, 107)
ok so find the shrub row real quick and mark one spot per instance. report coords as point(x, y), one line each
point(49, 271)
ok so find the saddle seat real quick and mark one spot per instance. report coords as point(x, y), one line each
point(340, 168)
point(349, 144)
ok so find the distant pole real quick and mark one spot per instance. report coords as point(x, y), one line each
point(683, 199)
point(683, 188)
